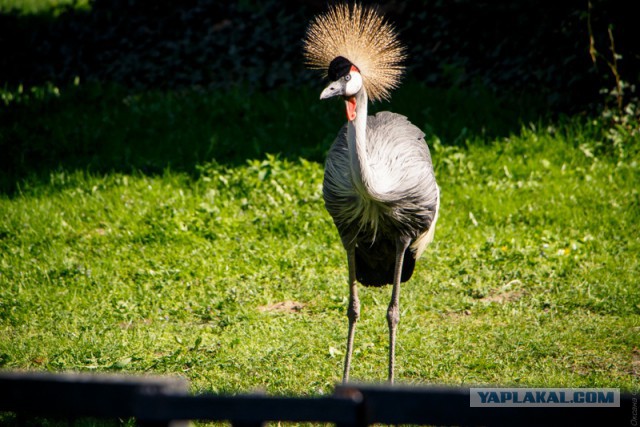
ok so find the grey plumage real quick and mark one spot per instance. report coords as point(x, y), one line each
point(405, 201)
point(379, 184)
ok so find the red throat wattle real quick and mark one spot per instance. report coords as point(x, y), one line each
point(351, 108)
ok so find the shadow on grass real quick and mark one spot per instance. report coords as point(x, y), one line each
point(101, 129)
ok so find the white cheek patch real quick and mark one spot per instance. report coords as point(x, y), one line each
point(354, 85)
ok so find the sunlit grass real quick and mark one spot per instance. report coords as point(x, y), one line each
point(40, 6)
point(532, 278)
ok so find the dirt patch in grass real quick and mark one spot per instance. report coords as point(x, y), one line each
point(504, 297)
point(505, 294)
point(283, 307)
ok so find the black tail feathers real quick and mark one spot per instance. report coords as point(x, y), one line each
point(375, 265)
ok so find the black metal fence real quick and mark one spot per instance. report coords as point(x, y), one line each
point(162, 401)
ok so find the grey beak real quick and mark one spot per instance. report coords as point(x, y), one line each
point(334, 89)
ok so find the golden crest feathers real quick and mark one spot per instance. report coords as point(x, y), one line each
point(362, 36)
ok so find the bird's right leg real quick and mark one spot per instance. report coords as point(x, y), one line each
point(393, 312)
point(353, 311)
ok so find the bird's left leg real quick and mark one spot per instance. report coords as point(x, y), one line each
point(353, 311)
point(393, 312)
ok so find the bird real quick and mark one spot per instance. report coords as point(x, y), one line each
point(379, 184)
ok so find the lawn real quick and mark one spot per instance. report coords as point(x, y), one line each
point(44, 7)
point(184, 233)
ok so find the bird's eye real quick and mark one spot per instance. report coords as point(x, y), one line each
point(347, 77)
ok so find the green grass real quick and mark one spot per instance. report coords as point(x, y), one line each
point(32, 7)
point(124, 246)
point(89, 127)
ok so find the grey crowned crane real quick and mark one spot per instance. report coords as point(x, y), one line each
point(379, 186)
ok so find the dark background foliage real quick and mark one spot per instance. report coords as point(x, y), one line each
point(506, 45)
point(139, 85)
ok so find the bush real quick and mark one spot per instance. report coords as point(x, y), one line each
point(507, 46)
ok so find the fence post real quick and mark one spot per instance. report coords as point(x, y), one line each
point(75, 395)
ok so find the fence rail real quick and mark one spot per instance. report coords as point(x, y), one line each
point(165, 401)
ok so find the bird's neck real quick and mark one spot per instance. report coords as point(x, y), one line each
point(357, 143)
